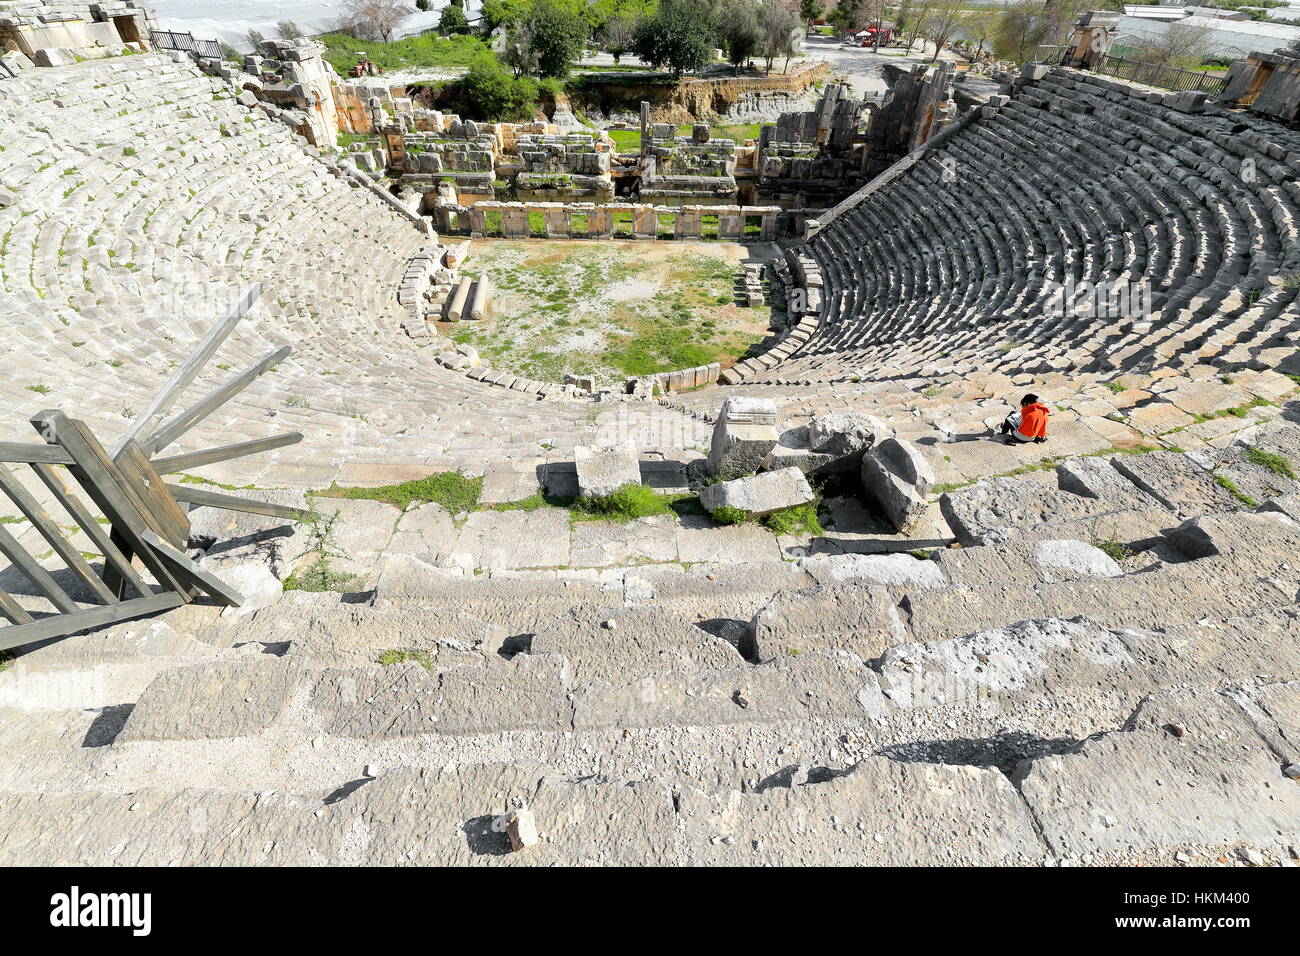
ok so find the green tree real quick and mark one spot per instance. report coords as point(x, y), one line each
point(782, 32)
point(680, 36)
point(618, 34)
point(811, 10)
point(453, 20)
point(558, 34)
point(490, 92)
point(741, 31)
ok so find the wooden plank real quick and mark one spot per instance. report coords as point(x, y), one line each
point(186, 569)
point(210, 456)
point(101, 480)
point(211, 499)
point(180, 380)
point(113, 556)
point(152, 490)
point(64, 548)
point(210, 402)
point(25, 453)
point(63, 625)
point(30, 567)
point(12, 609)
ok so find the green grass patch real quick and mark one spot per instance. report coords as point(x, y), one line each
point(726, 514)
point(625, 504)
point(626, 140)
point(1112, 546)
point(428, 50)
point(800, 520)
point(450, 489)
point(540, 499)
point(390, 657)
point(1278, 464)
point(1116, 386)
point(1227, 484)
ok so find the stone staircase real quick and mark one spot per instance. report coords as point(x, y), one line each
point(1027, 698)
point(1078, 178)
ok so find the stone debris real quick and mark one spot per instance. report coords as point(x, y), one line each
point(759, 495)
point(602, 471)
point(994, 654)
point(897, 477)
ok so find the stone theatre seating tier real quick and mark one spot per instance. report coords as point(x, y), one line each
point(138, 199)
point(1076, 177)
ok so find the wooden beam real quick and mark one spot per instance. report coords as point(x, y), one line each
point(62, 625)
point(166, 397)
point(152, 491)
point(211, 499)
point(12, 609)
point(210, 456)
point(30, 567)
point(113, 557)
point(210, 402)
point(24, 453)
point(48, 530)
point(104, 484)
point(187, 570)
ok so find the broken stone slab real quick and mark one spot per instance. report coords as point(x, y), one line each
point(602, 471)
point(862, 620)
point(743, 437)
point(761, 494)
point(845, 436)
point(1176, 481)
point(897, 478)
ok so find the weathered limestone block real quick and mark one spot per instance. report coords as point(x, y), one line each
point(845, 437)
point(743, 437)
point(896, 477)
point(880, 812)
point(602, 471)
point(848, 617)
point(760, 494)
point(1176, 481)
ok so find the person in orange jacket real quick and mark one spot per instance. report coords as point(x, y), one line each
point(1028, 424)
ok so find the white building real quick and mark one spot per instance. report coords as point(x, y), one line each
point(1225, 38)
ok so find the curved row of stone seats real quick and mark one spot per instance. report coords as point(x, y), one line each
point(1135, 710)
point(1077, 178)
point(140, 199)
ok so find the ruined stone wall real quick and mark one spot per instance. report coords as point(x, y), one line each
point(1266, 83)
point(53, 34)
point(515, 220)
point(691, 100)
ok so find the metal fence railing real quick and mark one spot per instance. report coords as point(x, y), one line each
point(186, 43)
point(1139, 71)
point(1163, 77)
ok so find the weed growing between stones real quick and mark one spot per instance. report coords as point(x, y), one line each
point(1112, 546)
point(799, 520)
point(726, 514)
point(625, 504)
point(390, 657)
point(1230, 486)
point(450, 489)
point(6, 661)
point(320, 575)
point(1278, 464)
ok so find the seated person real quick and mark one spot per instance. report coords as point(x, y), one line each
point(1028, 424)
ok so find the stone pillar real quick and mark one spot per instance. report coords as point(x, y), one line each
point(601, 222)
point(645, 125)
point(1093, 33)
point(514, 222)
point(556, 215)
point(731, 222)
point(688, 222)
point(645, 222)
point(477, 216)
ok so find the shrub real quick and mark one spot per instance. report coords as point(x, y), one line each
point(320, 574)
point(490, 92)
